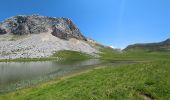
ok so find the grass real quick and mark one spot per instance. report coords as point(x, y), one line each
point(72, 55)
point(136, 55)
point(60, 55)
point(123, 82)
point(148, 79)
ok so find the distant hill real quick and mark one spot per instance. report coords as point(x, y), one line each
point(160, 46)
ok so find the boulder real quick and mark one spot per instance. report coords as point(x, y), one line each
point(2, 31)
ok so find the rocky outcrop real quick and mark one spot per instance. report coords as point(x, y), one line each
point(2, 31)
point(39, 36)
point(61, 27)
point(41, 45)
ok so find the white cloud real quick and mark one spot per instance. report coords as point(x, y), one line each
point(112, 47)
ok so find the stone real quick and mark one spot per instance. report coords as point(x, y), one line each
point(2, 31)
point(35, 24)
point(39, 36)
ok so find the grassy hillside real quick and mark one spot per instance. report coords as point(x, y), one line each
point(123, 82)
point(72, 55)
point(148, 79)
point(135, 55)
point(60, 55)
point(160, 46)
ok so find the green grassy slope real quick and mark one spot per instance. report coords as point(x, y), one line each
point(160, 46)
point(60, 55)
point(135, 55)
point(148, 79)
point(125, 82)
point(72, 55)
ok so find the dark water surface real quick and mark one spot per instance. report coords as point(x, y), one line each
point(16, 75)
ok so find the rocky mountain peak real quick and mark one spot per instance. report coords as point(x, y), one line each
point(62, 28)
point(167, 41)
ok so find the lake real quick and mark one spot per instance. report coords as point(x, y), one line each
point(17, 75)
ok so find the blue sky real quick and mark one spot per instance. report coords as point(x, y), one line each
point(111, 22)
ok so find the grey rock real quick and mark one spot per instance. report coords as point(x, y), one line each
point(35, 24)
point(39, 36)
point(2, 31)
point(41, 45)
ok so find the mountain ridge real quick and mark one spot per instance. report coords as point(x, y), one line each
point(37, 36)
point(157, 46)
point(63, 28)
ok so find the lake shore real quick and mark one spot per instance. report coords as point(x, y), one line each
point(132, 81)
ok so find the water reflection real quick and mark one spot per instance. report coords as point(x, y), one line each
point(20, 74)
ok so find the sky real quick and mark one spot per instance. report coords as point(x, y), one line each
point(116, 23)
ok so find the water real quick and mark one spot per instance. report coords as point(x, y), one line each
point(16, 75)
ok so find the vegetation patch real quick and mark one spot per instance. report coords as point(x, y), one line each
point(148, 79)
point(58, 56)
point(121, 82)
point(72, 55)
point(110, 54)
